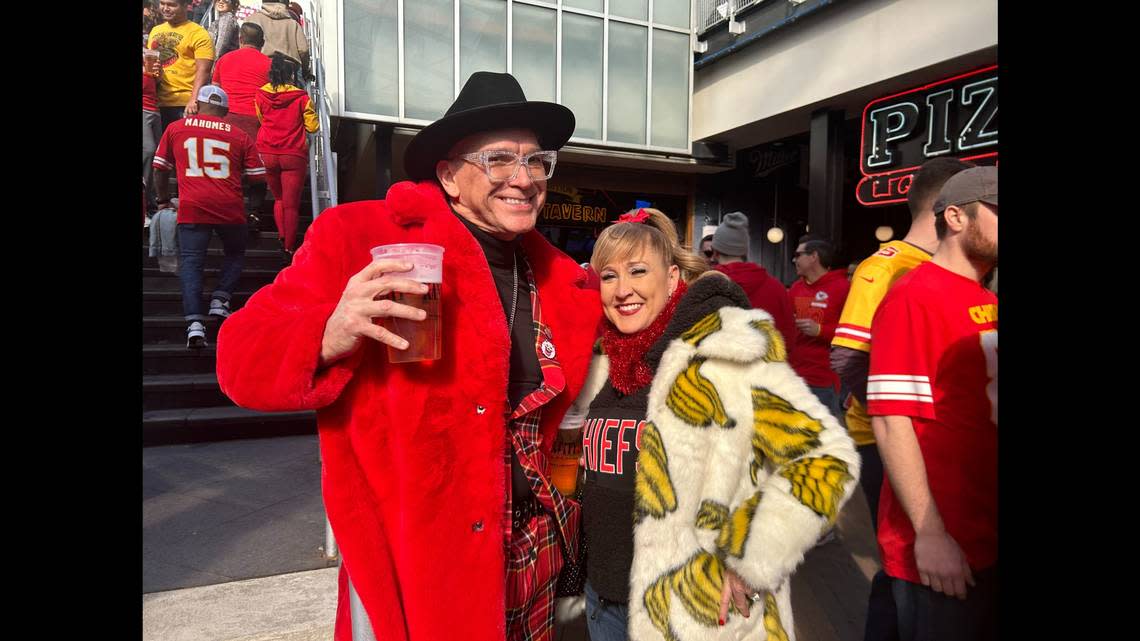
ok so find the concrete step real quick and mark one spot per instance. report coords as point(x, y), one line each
point(168, 302)
point(263, 239)
point(206, 424)
point(171, 330)
point(173, 391)
point(268, 224)
point(251, 279)
point(173, 358)
point(254, 258)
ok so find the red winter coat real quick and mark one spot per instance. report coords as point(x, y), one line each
point(766, 293)
point(414, 475)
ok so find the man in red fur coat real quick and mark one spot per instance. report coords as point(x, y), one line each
point(435, 474)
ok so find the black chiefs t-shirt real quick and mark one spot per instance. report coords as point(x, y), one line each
point(611, 439)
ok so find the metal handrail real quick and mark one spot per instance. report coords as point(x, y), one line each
point(322, 165)
point(713, 12)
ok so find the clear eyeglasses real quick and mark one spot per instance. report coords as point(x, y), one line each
point(503, 166)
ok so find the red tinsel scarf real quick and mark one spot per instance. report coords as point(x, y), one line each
point(628, 370)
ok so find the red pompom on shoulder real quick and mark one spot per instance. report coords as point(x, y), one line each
point(406, 201)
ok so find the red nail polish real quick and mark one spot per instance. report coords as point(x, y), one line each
point(721, 621)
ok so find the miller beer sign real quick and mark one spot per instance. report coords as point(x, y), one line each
point(956, 117)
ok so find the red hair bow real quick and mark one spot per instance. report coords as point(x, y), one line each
point(639, 216)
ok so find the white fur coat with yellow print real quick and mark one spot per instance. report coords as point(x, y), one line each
point(741, 467)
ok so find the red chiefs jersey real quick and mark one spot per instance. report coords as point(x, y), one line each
point(934, 359)
point(822, 302)
point(209, 157)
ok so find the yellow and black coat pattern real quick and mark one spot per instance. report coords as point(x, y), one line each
point(740, 468)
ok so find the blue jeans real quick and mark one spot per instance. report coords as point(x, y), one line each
point(829, 398)
point(926, 615)
point(606, 620)
point(193, 239)
point(169, 115)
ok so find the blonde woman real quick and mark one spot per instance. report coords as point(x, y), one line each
point(710, 467)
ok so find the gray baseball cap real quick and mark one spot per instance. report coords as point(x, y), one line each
point(214, 95)
point(973, 184)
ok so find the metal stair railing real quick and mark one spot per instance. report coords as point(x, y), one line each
point(322, 161)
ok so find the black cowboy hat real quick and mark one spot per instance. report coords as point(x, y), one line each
point(488, 101)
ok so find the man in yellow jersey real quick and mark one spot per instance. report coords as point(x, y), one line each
point(186, 53)
point(851, 349)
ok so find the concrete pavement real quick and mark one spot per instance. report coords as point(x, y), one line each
point(232, 550)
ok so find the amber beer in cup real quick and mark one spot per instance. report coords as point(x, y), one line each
point(150, 62)
point(564, 461)
point(424, 337)
point(566, 452)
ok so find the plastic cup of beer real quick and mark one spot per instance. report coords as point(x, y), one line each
point(564, 457)
point(424, 337)
point(150, 61)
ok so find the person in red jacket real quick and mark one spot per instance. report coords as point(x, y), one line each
point(242, 73)
point(817, 299)
point(435, 475)
point(729, 248)
point(286, 113)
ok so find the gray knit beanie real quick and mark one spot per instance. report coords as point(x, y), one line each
point(731, 237)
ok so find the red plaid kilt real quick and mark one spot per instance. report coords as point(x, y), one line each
point(534, 559)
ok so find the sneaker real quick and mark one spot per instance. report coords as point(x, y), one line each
point(253, 221)
point(195, 335)
point(219, 307)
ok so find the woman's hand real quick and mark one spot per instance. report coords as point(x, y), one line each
point(737, 592)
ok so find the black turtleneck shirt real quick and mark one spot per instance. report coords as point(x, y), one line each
point(525, 373)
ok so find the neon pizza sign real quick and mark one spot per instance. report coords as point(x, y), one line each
point(955, 117)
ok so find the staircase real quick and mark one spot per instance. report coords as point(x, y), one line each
point(182, 402)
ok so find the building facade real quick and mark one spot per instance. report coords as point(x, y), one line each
point(624, 67)
point(827, 106)
point(782, 109)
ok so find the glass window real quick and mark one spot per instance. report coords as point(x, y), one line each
point(534, 32)
point(672, 63)
point(582, 73)
point(482, 37)
point(627, 83)
point(636, 9)
point(592, 5)
point(371, 81)
point(674, 13)
point(429, 65)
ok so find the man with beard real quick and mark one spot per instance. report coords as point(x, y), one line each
point(932, 397)
point(851, 353)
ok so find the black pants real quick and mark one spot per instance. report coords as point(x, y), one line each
point(926, 615)
point(882, 619)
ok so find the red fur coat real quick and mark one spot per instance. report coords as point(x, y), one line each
point(414, 478)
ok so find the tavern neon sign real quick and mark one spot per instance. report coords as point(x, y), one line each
point(953, 117)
